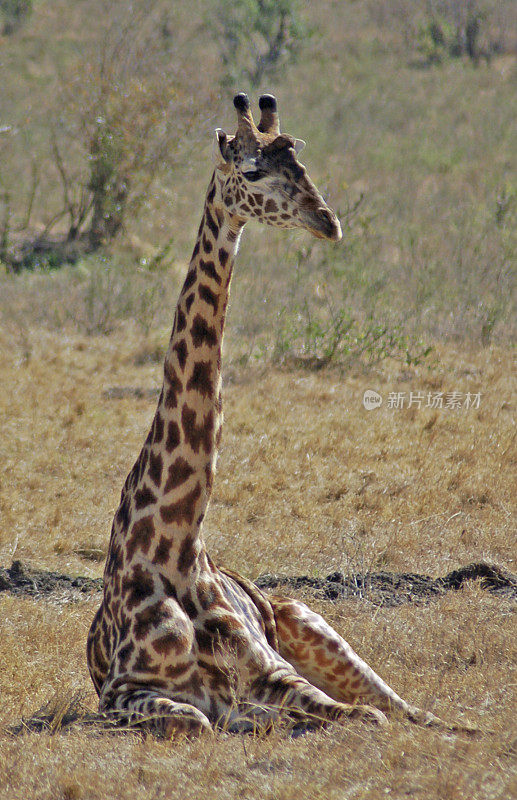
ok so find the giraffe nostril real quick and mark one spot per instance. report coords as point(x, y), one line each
point(326, 213)
point(330, 223)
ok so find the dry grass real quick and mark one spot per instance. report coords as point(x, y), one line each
point(308, 481)
point(302, 463)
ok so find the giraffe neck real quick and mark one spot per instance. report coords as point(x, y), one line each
point(174, 481)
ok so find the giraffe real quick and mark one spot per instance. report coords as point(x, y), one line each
point(178, 645)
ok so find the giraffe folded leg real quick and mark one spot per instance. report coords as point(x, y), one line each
point(291, 694)
point(325, 659)
point(147, 709)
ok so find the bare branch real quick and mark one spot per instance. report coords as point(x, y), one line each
point(35, 175)
point(65, 181)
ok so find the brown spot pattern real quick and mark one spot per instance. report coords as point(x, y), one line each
point(122, 516)
point(201, 379)
point(180, 349)
point(211, 223)
point(179, 472)
point(140, 536)
point(155, 467)
point(137, 587)
point(189, 280)
point(211, 192)
point(208, 296)
point(188, 552)
point(181, 321)
point(162, 552)
point(208, 267)
point(175, 670)
point(183, 510)
point(173, 437)
point(143, 662)
point(174, 386)
point(209, 474)
point(197, 435)
point(144, 497)
point(204, 641)
point(124, 654)
point(158, 427)
point(148, 619)
point(189, 606)
point(171, 640)
point(202, 332)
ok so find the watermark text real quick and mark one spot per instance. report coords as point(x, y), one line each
point(451, 401)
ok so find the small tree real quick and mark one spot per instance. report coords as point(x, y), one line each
point(14, 13)
point(448, 28)
point(256, 37)
point(127, 109)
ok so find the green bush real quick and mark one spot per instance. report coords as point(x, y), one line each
point(256, 37)
point(316, 337)
point(14, 13)
point(440, 29)
point(124, 121)
point(436, 38)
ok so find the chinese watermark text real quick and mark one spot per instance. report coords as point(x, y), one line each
point(452, 401)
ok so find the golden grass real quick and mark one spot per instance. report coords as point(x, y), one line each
point(302, 462)
point(308, 481)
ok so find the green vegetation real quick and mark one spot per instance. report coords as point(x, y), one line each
point(97, 148)
point(14, 13)
point(256, 38)
point(125, 113)
point(440, 29)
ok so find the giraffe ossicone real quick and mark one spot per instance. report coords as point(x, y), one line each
point(179, 645)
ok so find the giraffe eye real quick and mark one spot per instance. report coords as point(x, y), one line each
point(253, 175)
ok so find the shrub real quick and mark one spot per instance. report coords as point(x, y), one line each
point(316, 337)
point(256, 37)
point(127, 109)
point(14, 13)
point(438, 29)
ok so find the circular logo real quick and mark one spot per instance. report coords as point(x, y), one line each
point(371, 400)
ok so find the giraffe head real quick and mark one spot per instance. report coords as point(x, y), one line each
point(259, 175)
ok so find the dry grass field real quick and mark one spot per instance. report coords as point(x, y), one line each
point(308, 480)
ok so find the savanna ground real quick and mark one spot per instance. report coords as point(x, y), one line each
point(309, 481)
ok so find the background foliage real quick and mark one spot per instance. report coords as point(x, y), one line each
point(106, 145)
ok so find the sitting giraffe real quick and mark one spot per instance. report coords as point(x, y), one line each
point(179, 645)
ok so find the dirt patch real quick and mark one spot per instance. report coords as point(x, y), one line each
point(392, 589)
point(380, 588)
point(20, 579)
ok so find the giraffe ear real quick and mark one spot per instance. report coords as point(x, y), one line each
point(219, 149)
point(299, 144)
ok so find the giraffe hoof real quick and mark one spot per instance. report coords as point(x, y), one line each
point(188, 725)
point(428, 720)
point(366, 714)
point(245, 725)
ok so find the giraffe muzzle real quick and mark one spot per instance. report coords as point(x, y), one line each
point(324, 224)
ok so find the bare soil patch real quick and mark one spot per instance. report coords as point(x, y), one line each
point(380, 588)
point(394, 589)
point(21, 580)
